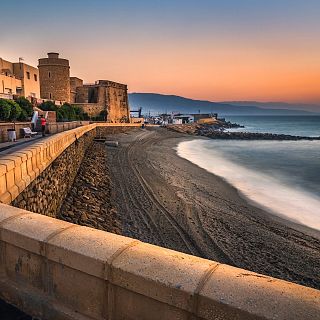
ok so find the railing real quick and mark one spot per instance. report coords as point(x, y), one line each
point(52, 269)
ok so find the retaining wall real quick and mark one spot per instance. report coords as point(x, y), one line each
point(19, 169)
point(46, 192)
point(52, 269)
point(38, 177)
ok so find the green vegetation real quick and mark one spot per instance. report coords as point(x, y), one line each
point(19, 110)
point(66, 112)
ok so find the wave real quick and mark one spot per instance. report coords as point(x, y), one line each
point(266, 191)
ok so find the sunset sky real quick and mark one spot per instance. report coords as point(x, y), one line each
point(204, 49)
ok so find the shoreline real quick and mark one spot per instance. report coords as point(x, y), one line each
point(191, 156)
point(277, 217)
point(169, 201)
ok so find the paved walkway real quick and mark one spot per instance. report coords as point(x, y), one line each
point(10, 147)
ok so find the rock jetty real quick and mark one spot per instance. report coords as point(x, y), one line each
point(218, 131)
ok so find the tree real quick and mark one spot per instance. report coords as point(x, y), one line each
point(48, 106)
point(15, 110)
point(5, 110)
point(26, 106)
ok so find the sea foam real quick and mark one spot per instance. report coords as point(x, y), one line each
point(265, 190)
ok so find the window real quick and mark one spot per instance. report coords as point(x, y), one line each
point(50, 93)
point(35, 77)
point(49, 74)
point(28, 74)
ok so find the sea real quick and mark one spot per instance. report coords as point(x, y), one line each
point(282, 177)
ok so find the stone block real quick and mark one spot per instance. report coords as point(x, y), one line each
point(3, 169)
point(6, 198)
point(86, 249)
point(82, 293)
point(24, 267)
point(3, 184)
point(161, 274)
point(131, 305)
point(7, 211)
point(30, 231)
point(232, 293)
point(8, 162)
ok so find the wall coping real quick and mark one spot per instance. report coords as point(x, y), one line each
point(199, 287)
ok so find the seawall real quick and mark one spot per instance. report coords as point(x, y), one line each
point(53, 269)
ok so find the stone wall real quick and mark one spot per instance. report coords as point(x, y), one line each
point(22, 170)
point(4, 126)
point(92, 109)
point(118, 107)
point(54, 74)
point(104, 95)
point(45, 194)
point(74, 84)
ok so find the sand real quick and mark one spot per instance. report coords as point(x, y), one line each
point(168, 201)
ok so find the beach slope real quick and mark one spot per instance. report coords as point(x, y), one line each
point(168, 201)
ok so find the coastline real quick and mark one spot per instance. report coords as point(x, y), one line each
point(169, 201)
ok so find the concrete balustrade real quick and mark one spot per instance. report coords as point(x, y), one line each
point(57, 270)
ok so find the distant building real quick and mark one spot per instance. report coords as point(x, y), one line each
point(18, 78)
point(182, 118)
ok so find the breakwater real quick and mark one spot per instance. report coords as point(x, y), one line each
point(218, 132)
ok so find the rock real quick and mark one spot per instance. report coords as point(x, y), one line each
point(84, 217)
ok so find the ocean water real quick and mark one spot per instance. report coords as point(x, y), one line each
point(282, 177)
point(294, 125)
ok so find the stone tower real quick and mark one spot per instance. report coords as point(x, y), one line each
point(54, 74)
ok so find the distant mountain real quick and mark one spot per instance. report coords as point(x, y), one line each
point(160, 103)
point(277, 105)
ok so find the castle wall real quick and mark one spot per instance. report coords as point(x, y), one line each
point(118, 108)
point(92, 109)
point(54, 78)
point(82, 94)
point(104, 95)
point(74, 84)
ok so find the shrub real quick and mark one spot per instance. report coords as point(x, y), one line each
point(48, 106)
point(5, 110)
point(23, 116)
point(66, 112)
point(15, 110)
point(26, 106)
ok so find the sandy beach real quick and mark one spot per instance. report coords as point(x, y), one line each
point(168, 201)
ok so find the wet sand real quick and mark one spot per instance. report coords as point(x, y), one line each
point(168, 201)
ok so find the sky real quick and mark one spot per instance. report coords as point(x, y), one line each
point(206, 49)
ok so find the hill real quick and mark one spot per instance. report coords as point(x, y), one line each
point(159, 103)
